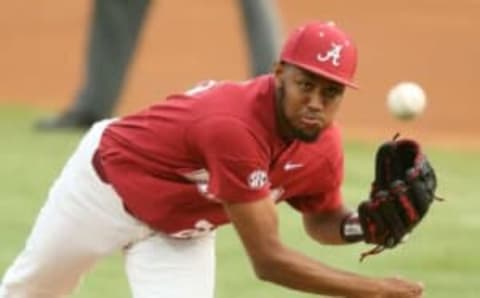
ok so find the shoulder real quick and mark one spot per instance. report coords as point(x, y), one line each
point(219, 126)
point(260, 84)
point(224, 133)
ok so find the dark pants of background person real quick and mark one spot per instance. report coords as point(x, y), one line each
point(114, 33)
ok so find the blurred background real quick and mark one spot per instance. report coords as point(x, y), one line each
point(432, 42)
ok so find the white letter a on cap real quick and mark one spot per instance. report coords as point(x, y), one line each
point(333, 54)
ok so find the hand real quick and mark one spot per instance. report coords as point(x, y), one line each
point(396, 288)
point(393, 287)
point(400, 288)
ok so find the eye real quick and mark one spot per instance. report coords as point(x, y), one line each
point(305, 85)
point(331, 92)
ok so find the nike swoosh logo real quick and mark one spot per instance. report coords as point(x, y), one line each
point(292, 166)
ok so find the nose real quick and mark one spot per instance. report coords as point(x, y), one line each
point(316, 102)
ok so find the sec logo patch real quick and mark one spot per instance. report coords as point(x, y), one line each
point(257, 179)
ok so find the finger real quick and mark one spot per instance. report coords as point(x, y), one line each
point(416, 290)
point(393, 220)
point(372, 222)
point(406, 210)
point(420, 287)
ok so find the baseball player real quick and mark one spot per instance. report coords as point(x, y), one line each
point(157, 183)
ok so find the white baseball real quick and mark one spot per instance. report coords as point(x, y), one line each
point(406, 100)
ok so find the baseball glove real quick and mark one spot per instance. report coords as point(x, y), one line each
point(402, 192)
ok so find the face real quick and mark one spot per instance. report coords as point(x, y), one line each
point(306, 103)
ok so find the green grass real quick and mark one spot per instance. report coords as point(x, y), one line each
point(443, 251)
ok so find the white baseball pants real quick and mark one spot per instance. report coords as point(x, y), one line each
point(84, 220)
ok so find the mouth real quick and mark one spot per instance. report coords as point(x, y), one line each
point(311, 122)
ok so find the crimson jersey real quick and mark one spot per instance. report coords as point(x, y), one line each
point(175, 162)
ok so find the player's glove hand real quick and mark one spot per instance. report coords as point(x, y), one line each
point(402, 191)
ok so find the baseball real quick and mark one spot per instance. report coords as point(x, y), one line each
point(406, 100)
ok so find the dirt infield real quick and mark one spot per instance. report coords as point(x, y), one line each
point(433, 42)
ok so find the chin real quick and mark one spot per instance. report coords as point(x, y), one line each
point(307, 136)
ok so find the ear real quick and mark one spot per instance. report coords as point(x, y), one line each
point(278, 70)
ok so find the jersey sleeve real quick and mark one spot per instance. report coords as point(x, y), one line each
point(236, 161)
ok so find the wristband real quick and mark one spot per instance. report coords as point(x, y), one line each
point(351, 229)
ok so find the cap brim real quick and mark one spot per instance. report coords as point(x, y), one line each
point(324, 74)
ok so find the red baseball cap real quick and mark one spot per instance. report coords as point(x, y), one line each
point(324, 49)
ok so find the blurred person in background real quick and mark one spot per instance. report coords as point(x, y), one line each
point(115, 29)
